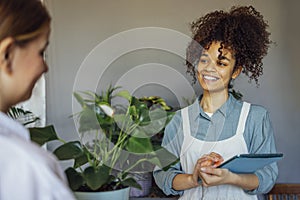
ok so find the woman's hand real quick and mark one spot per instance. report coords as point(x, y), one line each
point(208, 160)
point(206, 170)
point(211, 176)
point(187, 181)
point(215, 176)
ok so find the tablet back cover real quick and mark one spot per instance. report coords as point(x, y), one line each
point(249, 163)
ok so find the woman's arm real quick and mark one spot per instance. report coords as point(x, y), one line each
point(259, 136)
point(164, 179)
point(184, 181)
point(172, 141)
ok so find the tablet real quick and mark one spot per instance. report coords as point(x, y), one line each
point(249, 163)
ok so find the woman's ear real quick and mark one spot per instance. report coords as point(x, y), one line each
point(236, 72)
point(5, 53)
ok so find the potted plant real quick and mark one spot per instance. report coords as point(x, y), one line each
point(115, 141)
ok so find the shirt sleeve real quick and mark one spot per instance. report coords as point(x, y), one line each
point(30, 172)
point(172, 141)
point(261, 140)
point(35, 182)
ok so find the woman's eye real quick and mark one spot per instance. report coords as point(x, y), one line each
point(42, 53)
point(203, 61)
point(222, 64)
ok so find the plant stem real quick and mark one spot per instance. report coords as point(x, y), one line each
point(61, 140)
point(135, 164)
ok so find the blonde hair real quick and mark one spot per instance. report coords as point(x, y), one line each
point(22, 20)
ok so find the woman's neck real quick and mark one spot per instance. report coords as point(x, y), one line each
point(211, 101)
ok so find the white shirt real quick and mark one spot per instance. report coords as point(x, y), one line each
point(28, 172)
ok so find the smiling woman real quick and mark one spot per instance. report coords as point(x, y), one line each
point(214, 72)
point(217, 126)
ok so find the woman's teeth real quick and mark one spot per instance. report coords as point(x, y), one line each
point(210, 78)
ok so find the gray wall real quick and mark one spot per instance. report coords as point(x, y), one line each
point(80, 25)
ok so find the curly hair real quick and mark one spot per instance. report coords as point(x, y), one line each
point(242, 29)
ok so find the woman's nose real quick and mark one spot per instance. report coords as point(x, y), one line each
point(211, 66)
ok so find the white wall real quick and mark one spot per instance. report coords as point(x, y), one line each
point(80, 25)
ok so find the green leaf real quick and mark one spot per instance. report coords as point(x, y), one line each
point(96, 177)
point(82, 159)
point(139, 132)
point(88, 120)
point(79, 99)
point(158, 119)
point(142, 111)
point(70, 150)
point(165, 168)
point(131, 182)
point(144, 118)
point(155, 161)
point(133, 112)
point(43, 135)
point(103, 120)
point(123, 122)
point(15, 112)
point(108, 95)
point(163, 158)
point(139, 145)
point(75, 179)
point(125, 94)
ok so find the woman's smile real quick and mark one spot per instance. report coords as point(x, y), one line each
point(210, 78)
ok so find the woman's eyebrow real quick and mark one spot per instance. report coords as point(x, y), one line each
point(224, 58)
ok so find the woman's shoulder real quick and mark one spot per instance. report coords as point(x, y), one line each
point(258, 109)
point(176, 120)
point(25, 153)
point(257, 113)
point(253, 107)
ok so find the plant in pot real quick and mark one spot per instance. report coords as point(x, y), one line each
point(115, 141)
point(144, 178)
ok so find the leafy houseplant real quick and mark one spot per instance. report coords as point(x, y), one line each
point(25, 117)
point(116, 140)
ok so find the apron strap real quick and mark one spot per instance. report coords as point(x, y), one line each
point(185, 122)
point(243, 117)
point(188, 140)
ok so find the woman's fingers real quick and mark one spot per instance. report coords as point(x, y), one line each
point(213, 159)
point(212, 176)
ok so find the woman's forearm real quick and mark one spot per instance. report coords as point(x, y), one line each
point(245, 181)
point(183, 182)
